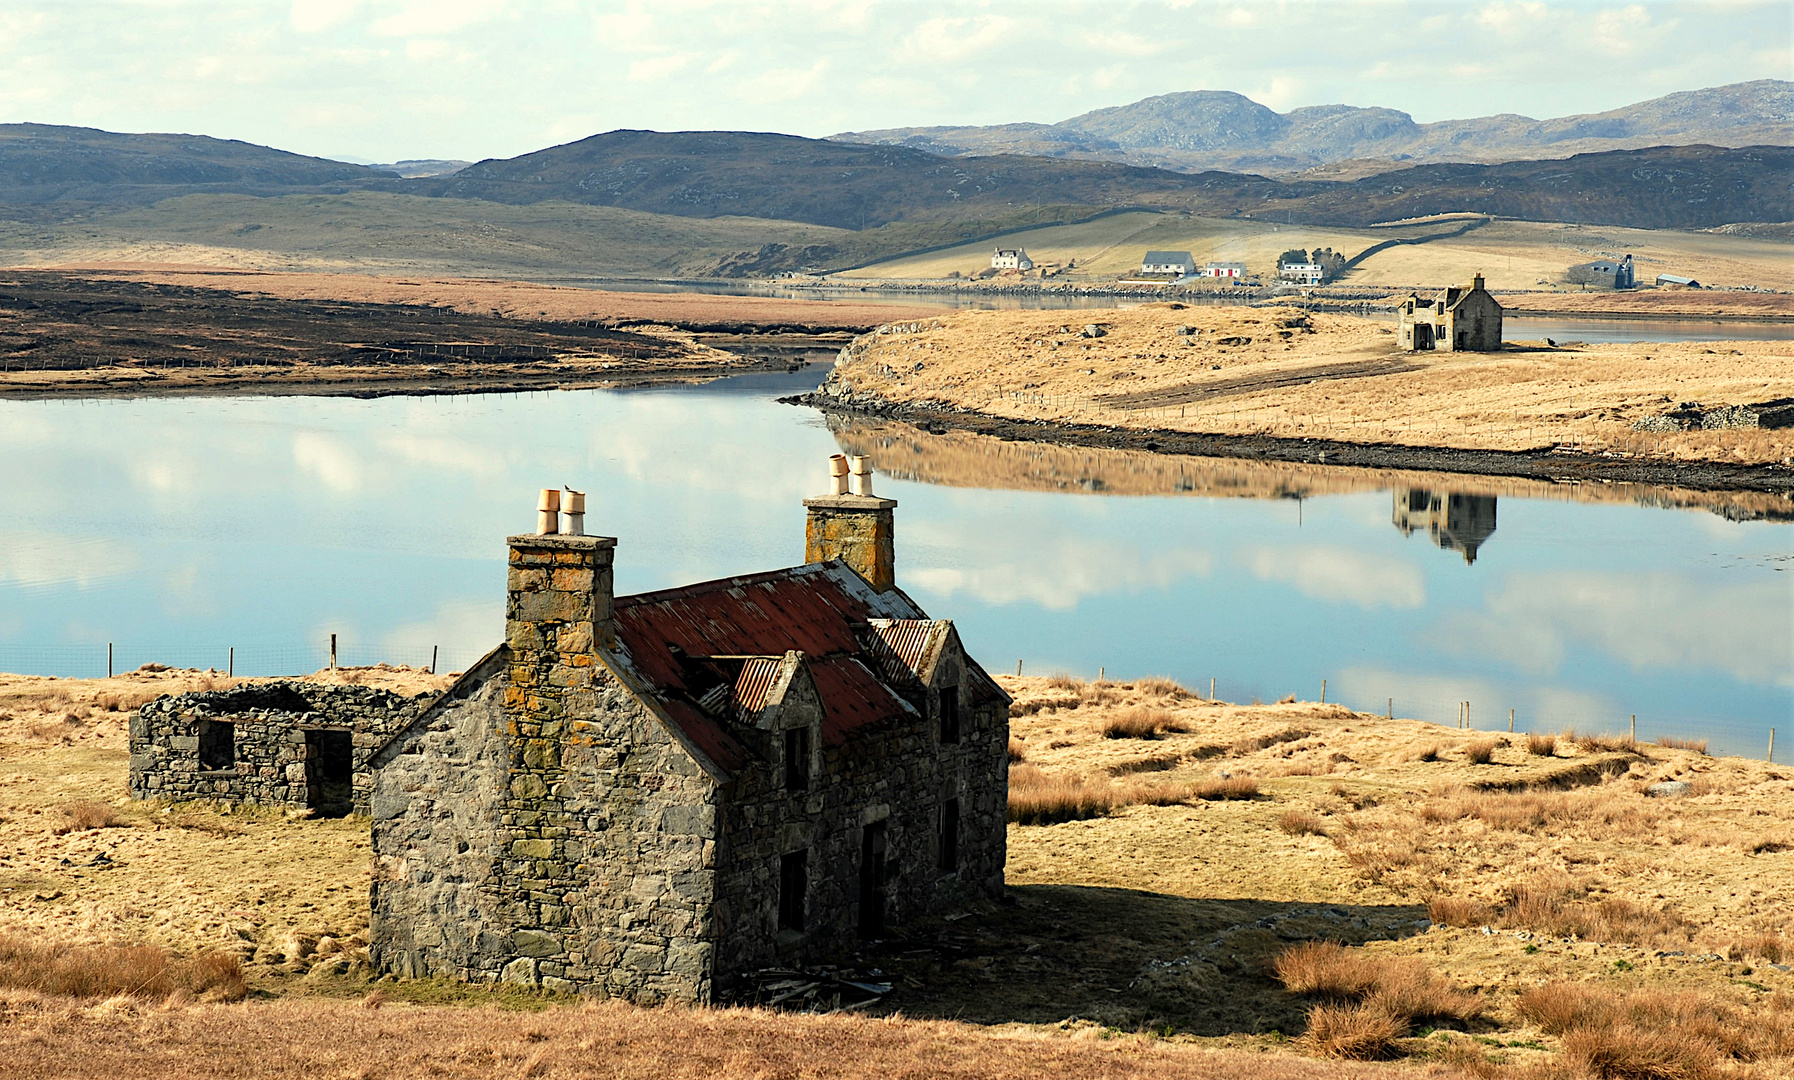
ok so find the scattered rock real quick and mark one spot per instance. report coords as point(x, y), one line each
point(1094, 330)
point(1668, 789)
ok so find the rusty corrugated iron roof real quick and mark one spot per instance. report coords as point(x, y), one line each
point(684, 642)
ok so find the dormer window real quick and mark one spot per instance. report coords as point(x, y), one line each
point(949, 714)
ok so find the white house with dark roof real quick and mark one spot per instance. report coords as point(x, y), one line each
point(1168, 262)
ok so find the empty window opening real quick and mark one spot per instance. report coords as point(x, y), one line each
point(794, 879)
point(949, 847)
point(217, 745)
point(872, 880)
point(949, 714)
point(797, 759)
point(330, 772)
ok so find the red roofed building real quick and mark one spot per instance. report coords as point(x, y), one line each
point(650, 796)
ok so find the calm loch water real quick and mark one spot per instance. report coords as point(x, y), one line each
point(178, 529)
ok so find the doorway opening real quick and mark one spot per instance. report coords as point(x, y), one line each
point(330, 772)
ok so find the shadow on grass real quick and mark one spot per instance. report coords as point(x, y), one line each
point(1124, 958)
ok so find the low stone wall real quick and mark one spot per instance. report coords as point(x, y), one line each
point(250, 744)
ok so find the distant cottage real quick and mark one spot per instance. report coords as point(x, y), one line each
point(650, 796)
point(1603, 273)
point(1457, 320)
point(1168, 262)
point(1011, 259)
point(1223, 270)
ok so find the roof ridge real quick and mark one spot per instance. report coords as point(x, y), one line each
point(717, 584)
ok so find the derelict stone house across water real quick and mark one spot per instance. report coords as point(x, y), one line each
point(296, 744)
point(1457, 320)
point(648, 796)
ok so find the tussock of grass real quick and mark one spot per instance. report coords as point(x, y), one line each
point(1360, 1032)
point(1559, 907)
point(1140, 722)
point(1652, 1034)
point(1429, 752)
point(1255, 743)
point(1482, 751)
point(104, 971)
point(1017, 751)
point(1611, 744)
point(1670, 742)
point(88, 814)
point(1302, 823)
point(1224, 787)
point(1037, 797)
point(1372, 1000)
point(1541, 745)
point(1059, 680)
point(1160, 686)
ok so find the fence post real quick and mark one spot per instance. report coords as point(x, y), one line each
point(230, 664)
point(1323, 691)
point(1634, 727)
point(332, 652)
point(109, 659)
point(1391, 714)
point(1771, 757)
point(1510, 721)
point(1018, 669)
point(1211, 688)
point(432, 659)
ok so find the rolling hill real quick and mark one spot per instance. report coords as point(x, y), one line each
point(47, 163)
point(1215, 129)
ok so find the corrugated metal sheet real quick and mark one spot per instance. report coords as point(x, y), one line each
point(754, 682)
point(812, 609)
point(908, 639)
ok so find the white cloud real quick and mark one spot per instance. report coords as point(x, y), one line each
point(955, 40)
point(426, 18)
point(1340, 575)
point(36, 560)
point(329, 460)
point(1647, 621)
point(311, 16)
point(1051, 571)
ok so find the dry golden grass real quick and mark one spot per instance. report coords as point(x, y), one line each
point(1657, 1035)
point(1482, 751)
point(1302, 823)
point(1160, 686)
point(1018, 751)
point(1291, 374)
point(1373, 1000)
point(1541, 745)
point(102, 971)
point(1140, 722)
point(1224, 787)
point(47, 1039)
point(87, 814)
point(1670, 742)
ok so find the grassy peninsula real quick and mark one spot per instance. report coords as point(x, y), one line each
point(1280, 373)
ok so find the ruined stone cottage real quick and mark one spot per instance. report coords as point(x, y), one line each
point(648, 796)
point(296, 744)
point(1457, 320)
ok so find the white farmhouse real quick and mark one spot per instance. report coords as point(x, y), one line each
point(1302, 273)
point(1223, 270)
point(1168, 262)
point(1011, 259)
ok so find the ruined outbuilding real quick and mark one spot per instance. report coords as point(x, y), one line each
point(290, 743)
point(1459, 319)
point(652, 796)
point(1454, 521)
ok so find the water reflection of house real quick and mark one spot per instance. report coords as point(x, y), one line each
point(1455, 522)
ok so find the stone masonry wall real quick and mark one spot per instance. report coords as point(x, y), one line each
point(582, 833)
point(269, 723)
point(901, 775)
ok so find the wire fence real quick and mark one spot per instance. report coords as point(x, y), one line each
point(251, 660)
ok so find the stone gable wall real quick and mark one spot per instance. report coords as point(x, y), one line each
point(269, 722)
point(571, 854)
point(901, 775)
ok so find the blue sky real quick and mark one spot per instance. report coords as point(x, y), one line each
point(386, 79)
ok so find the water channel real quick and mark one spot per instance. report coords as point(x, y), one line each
point(178, 529)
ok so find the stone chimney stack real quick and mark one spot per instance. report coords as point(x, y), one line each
point(558, 614)
point(852, 524)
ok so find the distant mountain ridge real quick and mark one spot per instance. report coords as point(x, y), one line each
point(43, 163)
point(1217, 129)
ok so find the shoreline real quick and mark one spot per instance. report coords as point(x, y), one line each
point(1548, 464)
